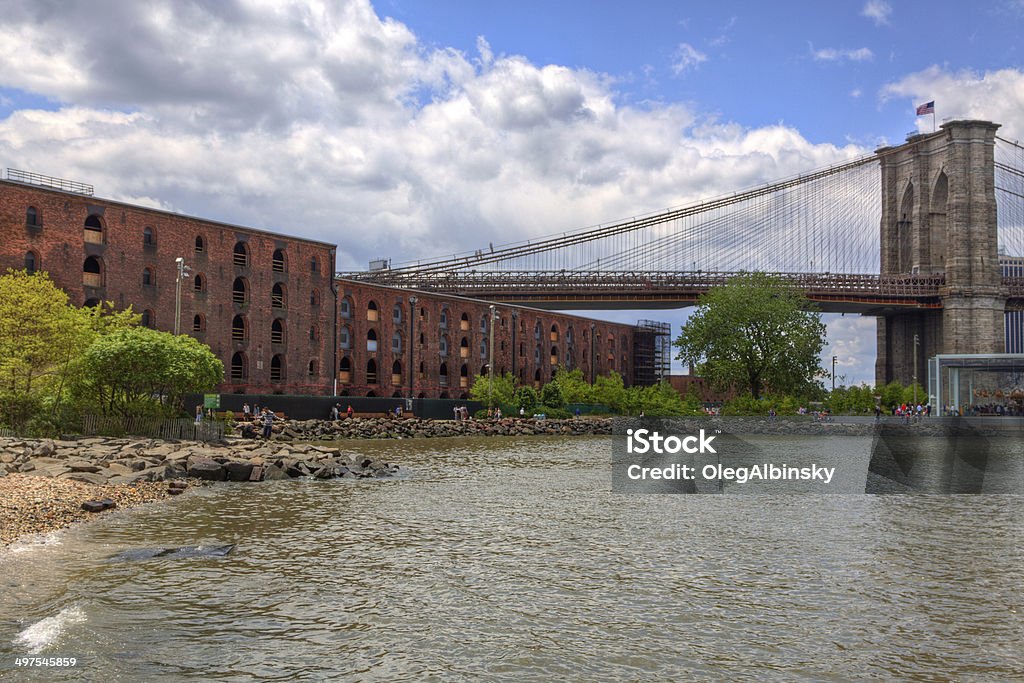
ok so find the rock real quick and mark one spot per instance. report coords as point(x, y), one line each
point(87, 477)
point(274, 473)
point(205, 468)
point(93, 506)
point(181, 485)
point(175, 492)
point(236, 470)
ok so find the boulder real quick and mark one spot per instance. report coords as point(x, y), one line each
point(238, 470)
point(93, 506)
point(205, 468)
point(274, 473)
point(87, 477)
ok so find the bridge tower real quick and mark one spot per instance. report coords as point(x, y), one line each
point(939, 217)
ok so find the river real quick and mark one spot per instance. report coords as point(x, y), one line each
point(512, 559)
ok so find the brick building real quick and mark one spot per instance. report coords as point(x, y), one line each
point(450, 343)
point(270, 308)
point(263, 302)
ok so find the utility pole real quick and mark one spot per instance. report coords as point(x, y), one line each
point(412, 341)
point(490, 364)
point(834, 373)
point(183, 272)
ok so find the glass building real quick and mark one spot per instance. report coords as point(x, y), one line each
point(976, 384)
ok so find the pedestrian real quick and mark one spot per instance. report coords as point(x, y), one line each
point(334, 412)
point(522, 412)
point(350, 412)
point(268, 423)
point(199, 415)
point(457, 413)
point(245, 411)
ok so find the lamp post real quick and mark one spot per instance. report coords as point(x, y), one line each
point(490, 363)
point(916, 342)
point(183, 272)
point(833, 373)
point(412, 342)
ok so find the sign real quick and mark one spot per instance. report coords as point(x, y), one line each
point(211, 400)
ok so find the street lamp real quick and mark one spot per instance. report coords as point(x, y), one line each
point(412, 342)
point(916, 342)
point(834, 373)
point(490, 364)
point(183, 272)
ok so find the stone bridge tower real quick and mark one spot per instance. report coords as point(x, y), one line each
point(939, 217)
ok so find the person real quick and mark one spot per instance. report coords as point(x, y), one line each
point(334, 412)
point(268, 423)
point(522, 412)
point(577, 411)
point(641, 414)
point(350, 412)
point(245, 411)
point(878, 412)
point(199, 415)
point(497, 413)
point(457, 413)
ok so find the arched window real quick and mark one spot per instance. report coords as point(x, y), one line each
point(276, 368)
point(346, 307)
point(314, 297)
point(199, 282)
point(442, 375)
point(464, 348)
point(554, 355)
point(483, 349)
point(200, 244)
point(423, 315)
point(198, 323)
point(371, 340)
point(345, 370)
point(93, 233)
point(239, 330)
point(277, 331)
point(31, 262)
point(422, 371)
point(443, 346)
point(396, 342)
point(277, 263)
point(277, 296)
point(89, 303)
point(148, 237)
point(239, 367)
point(444, 319)
point(344, 337)
point(536, 355)
point(314, 333)
point(314, 265)
point(423, 339)
point(554, 333)
point(147, 277)
point(396, 373)
point(92, 272)
point(32, 219)
point(396, 313)
point(536, 331)
point(372, 314)
point(371, 371)
point(148, 318)
point(240, 255)
point(240, 291)
point(464, 322)
point(464, 376)
point(313, 368)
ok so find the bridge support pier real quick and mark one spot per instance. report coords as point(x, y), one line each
point(939, 218)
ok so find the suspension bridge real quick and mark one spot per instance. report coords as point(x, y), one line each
point(912, 234)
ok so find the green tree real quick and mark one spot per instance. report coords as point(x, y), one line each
point(755, 333)
point(551, 396)
point(572, 385)
point(40, 337)
point(503, 393)
point(139, 370)
point(527, 399)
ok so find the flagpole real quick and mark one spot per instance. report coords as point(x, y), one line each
point(933, 120)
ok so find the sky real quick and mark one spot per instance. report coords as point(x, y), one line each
point(414, 129)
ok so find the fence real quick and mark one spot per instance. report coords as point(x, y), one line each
point(158, 428)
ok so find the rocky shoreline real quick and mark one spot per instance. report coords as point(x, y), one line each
point(416, 428)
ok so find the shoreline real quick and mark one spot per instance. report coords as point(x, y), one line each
point(31, 505)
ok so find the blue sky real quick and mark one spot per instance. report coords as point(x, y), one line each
point(412, 129)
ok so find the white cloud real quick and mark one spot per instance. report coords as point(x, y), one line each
point(878, 11)
point(687, 57)
point(831, 54)
point(855, 93)
point(991, 95)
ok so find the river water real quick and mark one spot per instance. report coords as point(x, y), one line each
point(512, 559)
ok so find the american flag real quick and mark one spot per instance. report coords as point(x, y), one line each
point(926, 108)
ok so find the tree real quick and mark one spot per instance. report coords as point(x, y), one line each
point(755, 333)
point(551, 396)
point(141, 370)
point(503, 392)
point(573, 387)
point(526, 398)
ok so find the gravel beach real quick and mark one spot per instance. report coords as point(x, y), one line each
point(31, 504)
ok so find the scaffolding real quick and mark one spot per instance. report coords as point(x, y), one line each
point(652, 352)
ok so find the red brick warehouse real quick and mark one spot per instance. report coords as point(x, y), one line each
point(270, 308)
point(263, 302)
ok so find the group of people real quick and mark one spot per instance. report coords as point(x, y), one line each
point(336, 411)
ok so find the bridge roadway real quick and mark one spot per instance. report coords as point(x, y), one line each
point(582, 290)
